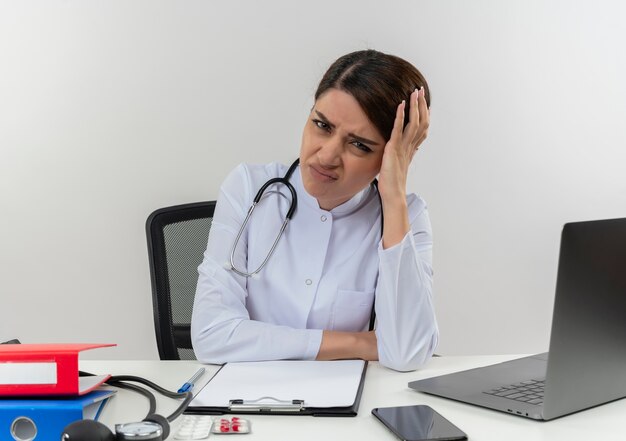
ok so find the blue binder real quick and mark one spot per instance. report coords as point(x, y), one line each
point(43, 419)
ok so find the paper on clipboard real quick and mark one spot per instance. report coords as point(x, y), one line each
point(320, 384)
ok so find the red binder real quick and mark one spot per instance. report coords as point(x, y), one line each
point(45, 369)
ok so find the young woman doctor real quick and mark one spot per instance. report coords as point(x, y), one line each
point(349, 246)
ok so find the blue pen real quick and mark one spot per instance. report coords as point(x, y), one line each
point(189, 385)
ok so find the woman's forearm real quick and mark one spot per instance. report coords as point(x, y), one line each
point(338, 345)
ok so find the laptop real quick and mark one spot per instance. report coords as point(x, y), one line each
point(586, 362)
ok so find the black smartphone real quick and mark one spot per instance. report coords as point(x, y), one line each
point(418, 423)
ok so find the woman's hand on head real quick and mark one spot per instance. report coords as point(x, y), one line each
point(402, 146)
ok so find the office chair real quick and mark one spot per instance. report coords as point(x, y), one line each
point(177, 238)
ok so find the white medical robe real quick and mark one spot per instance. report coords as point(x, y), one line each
point(327, 270)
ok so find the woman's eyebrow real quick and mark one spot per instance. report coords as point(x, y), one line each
point(321, 116)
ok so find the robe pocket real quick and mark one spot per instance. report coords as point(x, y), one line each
point(351, 310)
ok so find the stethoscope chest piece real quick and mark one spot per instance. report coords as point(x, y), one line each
point(142, 430)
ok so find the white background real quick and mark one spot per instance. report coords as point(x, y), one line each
point(110, 110)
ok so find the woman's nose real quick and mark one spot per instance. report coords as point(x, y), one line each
point(329, 155)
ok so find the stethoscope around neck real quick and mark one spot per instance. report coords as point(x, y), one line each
point(292, 209)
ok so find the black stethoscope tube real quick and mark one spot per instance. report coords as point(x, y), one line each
point(292, 209)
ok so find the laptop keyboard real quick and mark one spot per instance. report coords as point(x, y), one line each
point(530, 391)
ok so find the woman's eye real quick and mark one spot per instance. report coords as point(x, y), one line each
point(321, 124)
point(359, 145)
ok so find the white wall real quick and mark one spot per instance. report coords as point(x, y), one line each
point(109, 110)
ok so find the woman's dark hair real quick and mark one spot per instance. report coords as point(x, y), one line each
point(378, 81)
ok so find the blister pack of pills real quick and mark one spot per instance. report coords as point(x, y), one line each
point(199, 427)
point(230, 426)
point(194, 427)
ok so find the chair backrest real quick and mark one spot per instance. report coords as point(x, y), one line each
point(177, 238)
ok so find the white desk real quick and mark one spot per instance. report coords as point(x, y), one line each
point(383, 388)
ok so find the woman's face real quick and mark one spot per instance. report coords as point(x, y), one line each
point(341, 149)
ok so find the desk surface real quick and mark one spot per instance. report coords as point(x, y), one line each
point(383, 388)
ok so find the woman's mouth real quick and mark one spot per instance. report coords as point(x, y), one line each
point(322, 175)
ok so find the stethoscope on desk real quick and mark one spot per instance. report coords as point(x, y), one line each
point(292, 209)
point(153, 427)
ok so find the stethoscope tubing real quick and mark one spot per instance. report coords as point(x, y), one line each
point(292, 209)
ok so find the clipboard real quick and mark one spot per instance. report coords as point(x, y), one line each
point(286, 387)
